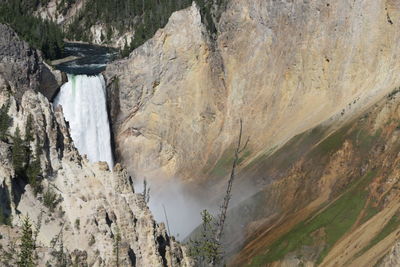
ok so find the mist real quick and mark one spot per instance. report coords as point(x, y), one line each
point(182, 208)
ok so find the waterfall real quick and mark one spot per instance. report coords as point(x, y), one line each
point(83, 99)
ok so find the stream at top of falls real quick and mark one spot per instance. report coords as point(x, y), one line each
point(84, 104)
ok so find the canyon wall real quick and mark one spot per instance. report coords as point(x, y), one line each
point(282, 67)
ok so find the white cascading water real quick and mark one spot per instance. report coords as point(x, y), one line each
point(83, 99)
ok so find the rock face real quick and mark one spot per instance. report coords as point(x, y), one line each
point(163, 89)
point(292, 70)
point(92, 206)
point(392, 258)
point(177, 99)
point(23, 66)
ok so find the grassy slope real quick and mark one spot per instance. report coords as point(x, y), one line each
point(335, 220)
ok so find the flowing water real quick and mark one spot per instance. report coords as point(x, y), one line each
point(83, 99)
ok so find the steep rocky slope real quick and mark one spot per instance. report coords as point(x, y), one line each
point(81, 205)
point(334, 198)
point(282, 67)
point(24, 68)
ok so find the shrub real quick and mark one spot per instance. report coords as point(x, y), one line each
point(50, 199)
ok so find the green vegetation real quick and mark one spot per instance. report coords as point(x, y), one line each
point(4, 219)
point(43, 35)
point(50, 199)
point(204, 249)
point(121, 16)
point(5, 121)
point(332, 143)
point(365, 141)
point(145, 17)
point(335, 220)
point(77, 224)
point(369, 212)
point(26, 165)
point(33, 173)
point(27, 246)
point(116, 249)
point(224, 164)
point(29, 129)
point(63, 5)
point(19, 156)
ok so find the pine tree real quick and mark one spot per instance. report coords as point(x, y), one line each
point(29, 129)
point(5, 121)
point(37, 32)
point(205, 249)
point(34, 171)
point(27, 246)
point(3, 219)
point(117, 240)
point(18, 154)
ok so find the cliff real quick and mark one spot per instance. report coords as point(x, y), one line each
point(24, 68)
point(178, 98)
point(82, 208)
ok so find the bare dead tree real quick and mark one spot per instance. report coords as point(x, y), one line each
point(117, 241)
point(224, 207)
point(166, 220)
point(130, 180)
point(146, 191)
point(207, 248)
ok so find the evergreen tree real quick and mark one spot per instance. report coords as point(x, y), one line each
point(44, 35)
point(3, 217)
point(29, 129)
point(5, 121)
point(34, 171)
point(18, 154)
point(27, 246)
point(205, 249)
point(117, 240)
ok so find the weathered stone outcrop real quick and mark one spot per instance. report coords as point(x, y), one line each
point(392, 259)
point(23, 67)
point(283, 67)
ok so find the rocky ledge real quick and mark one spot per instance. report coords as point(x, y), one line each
point(24, 67)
